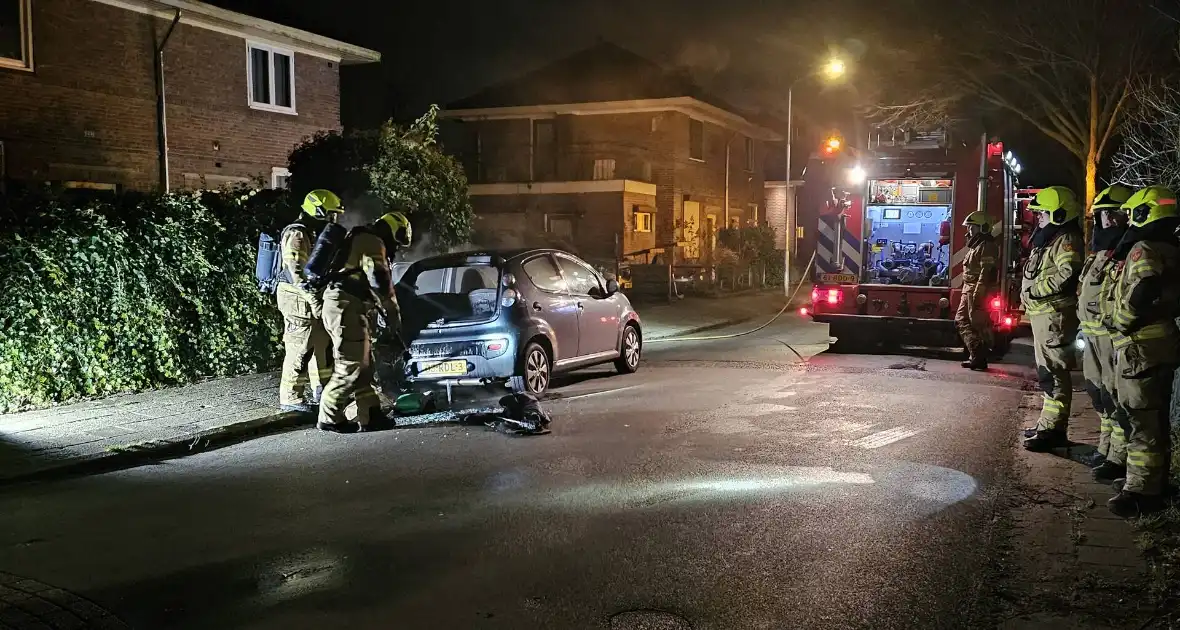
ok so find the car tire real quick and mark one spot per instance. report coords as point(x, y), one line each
point(630, 350)
point(535, 371)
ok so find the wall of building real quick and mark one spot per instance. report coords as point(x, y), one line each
point(87, 111)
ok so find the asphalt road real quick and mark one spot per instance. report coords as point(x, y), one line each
point(726, 484)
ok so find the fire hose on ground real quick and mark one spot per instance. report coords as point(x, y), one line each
point(786, 306)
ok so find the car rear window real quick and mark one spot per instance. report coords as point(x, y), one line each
point(459, 280)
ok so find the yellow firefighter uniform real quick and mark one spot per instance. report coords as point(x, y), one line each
point(305, 342)
point(979, 278)
point(1142, 318)
point(1049, 294)
point(361, 284)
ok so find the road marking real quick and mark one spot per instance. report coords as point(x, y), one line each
point(779, 394)
point(885, 438)
point(853, 427)
point(762, 409)
point(609, 391)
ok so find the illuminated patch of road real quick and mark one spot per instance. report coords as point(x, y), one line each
point(885, 438)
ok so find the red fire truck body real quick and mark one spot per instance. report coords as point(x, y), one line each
point(889, 243)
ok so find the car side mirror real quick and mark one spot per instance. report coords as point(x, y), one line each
point(612, 287)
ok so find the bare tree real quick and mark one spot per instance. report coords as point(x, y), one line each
point(1065, 67)
point(1150, 151)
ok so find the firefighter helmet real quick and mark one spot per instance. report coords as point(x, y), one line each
point(318, 203)
point(1150, 205)
point(399, 227)
point(1059, 202)
point(1112, 198)
point(979, 218)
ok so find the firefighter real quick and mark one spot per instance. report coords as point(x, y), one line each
point(305, 342)
point(1049, 294)
point(1141, 316)
point(360, 283)
point(979, 278)
point(1097, 351)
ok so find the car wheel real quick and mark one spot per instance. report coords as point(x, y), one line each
point(535, 371)
point(631, 347)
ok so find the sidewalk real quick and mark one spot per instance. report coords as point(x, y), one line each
point(125, 430)
point(1081, 565)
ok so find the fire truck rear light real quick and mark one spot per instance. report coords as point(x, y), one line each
point(997, 304)
point(1008, 322)
point(803, 311)
point(834, 296)
point(814, 295)
point(862, 299)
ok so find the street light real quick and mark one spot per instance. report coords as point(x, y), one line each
point(834, 69)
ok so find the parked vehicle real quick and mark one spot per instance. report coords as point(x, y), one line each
point(513, 317)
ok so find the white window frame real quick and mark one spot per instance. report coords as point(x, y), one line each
point(26, 40)
point(643, 221)
point(271, 51)
point(277, 172)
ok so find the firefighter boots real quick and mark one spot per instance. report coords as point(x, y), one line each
point(1109, 471)
point(1045, 441)
point(338, 427)
point(1129, 504)
point(978, 364)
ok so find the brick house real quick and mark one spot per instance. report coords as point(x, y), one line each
point(612, 153)
point(83, 101)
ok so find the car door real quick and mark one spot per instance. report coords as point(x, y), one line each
point(598, 315)
point(548, 299)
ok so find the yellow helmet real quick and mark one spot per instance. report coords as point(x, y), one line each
point(1112, 198)
point(1059, 202)
point(318, 203)
point(399, 227)
point(1150, 205)
point(980, 218)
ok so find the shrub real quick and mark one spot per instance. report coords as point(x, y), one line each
point(130, 293)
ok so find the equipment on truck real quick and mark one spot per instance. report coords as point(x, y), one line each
point(888, 246)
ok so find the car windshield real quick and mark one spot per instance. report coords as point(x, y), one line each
point(457, 293)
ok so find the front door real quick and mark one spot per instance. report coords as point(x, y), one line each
point(598, 316)
point(550, 301)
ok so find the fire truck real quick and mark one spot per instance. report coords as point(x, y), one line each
point(889, 242)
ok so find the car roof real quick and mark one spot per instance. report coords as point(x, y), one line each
point(506, 254)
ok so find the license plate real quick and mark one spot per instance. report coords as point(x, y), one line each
point(444, 368)
point(837, 278)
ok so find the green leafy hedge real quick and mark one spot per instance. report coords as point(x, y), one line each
point(105, 296)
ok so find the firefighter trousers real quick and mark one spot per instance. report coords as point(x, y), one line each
point(1053, 343)
point(974, 323)
point(346, 317)
point(1099, 372)
point(1143, 405)
point(305, 345)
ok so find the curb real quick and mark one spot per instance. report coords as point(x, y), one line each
point(152, 452)
point(701, 329)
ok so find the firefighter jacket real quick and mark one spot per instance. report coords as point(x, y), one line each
point(979, 268)
point(1096, 283)
point(365, 273)
point(1141, 307)
point(1051, 274)
point(296, 242)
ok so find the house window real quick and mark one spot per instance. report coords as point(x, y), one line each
point(544, 151)
point(604, 169)
point(16, 41)
point(279, 178)
point(749, 155)
point(642, 221)
point(696, 140)
point(561, 227)
point(271, 77)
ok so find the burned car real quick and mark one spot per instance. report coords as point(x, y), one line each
point(513, 317)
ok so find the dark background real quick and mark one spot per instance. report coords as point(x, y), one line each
point(745, 51)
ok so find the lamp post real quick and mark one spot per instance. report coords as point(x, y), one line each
point(833, 69)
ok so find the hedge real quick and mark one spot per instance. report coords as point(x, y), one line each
point(130, 293)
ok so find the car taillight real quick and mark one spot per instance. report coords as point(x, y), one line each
point(997, 304)
point(508, 298)
point(814, 296)
point(834, 296)
point(495, 348)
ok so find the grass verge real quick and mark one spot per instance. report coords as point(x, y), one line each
point(1159, 537)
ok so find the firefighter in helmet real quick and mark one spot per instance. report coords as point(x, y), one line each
point(1110, 222)
point(361, 282)
point(305, 342)
point(1141, 316)
point(979, 278)
point(1049, 294)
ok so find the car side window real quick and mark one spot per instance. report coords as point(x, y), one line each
point(543, 274)
point(580, 279)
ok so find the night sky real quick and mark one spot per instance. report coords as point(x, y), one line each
point(745, 51)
